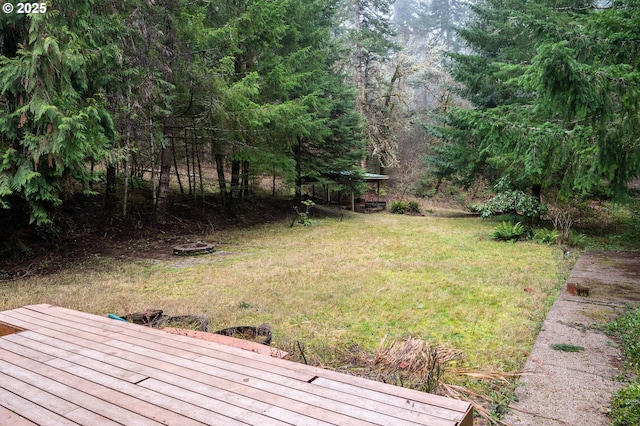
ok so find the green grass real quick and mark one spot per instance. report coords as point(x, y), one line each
point(625, 409)
point(338, 283)
point(566, 347)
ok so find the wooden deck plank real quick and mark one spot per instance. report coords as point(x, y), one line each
point(265, 378)
point(6, 316)
point(183, 394)
point(369, 405)
point(118, 361)
point(30, 347)
point(209, 376)
point(200, 347)
point(27, 320)
point(153, 356)
point(31, 411)
point(310, 395)
point(170, 373)
point(308, 372)
point(102, 377)
point(153, 396)
point(8, 417)
point(83, 416)
point(305, 373)
point(22, 386)
point(247, 345)
point(255, 388)
point(121, 408)
point(388, 399)
point(35, 354)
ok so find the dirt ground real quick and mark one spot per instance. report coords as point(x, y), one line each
point(82, 229)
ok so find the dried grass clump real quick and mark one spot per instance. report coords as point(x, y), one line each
point(415, 362)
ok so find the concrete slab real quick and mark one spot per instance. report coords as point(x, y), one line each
point(575, 388)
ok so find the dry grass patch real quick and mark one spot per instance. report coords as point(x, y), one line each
point(338, 283)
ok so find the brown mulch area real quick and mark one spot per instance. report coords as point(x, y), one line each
point(82, 229)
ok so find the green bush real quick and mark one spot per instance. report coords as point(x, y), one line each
point(303, 216)
point(509, 200)
point(577, 239)
point(625, 407)
point(508, 231)
point(546, 236)
point(399, 207)
point(413, 207)
point(627, 329)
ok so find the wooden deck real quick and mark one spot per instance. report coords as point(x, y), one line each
point(67, 367)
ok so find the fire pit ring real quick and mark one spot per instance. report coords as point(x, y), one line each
point(193, 249)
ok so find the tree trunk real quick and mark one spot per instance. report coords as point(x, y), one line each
point(235, 179)
point(222, 182)
point(110, 190)
point(186, 157)
point(154, 184)
point(245, 180)
point(199, 170)
point(175, 167)
point(127, 176)
point(298, 156)
point(360, 80)
point(166, 158)
point(273, 185)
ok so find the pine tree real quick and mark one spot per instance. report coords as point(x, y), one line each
point(53, 79)
point(274, 93)
point(438, 19)
point(555, 85)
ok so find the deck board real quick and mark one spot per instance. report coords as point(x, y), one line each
point(261, 363)
point(168, 359)
point(80, 368)
point(196, 347)
point(31, 410)
point(188, 378)
point(8, 417)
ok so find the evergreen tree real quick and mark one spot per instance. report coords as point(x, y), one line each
point(103, 83)
point(439, 19)
point(54, 70)
point(555, 85)
point(275, 93)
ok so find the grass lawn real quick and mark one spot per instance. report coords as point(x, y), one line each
point(338, 283)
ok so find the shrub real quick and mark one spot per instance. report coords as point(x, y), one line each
point(509, 200)
point(303, 216)
point(625, 407)
point(627, 329)
point(546, 236)
point(508, 231)
point(576, 239)
point(413, 207)
point(399, 207)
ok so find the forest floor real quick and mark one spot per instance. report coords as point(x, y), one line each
point(81, 229)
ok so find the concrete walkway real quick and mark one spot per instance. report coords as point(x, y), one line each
point(575, 388)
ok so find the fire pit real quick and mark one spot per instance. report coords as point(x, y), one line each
point(193, 249)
